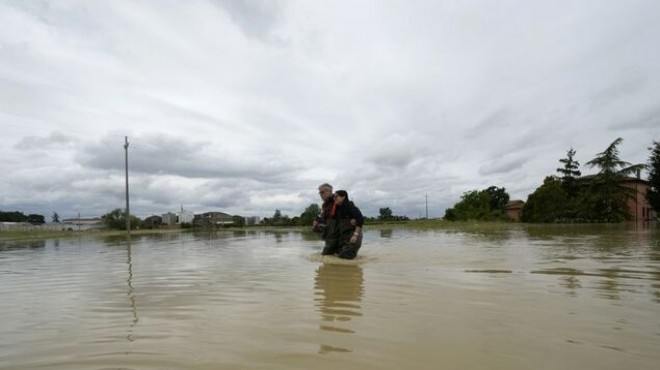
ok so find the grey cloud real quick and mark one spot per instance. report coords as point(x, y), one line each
point(501, 166)
point(496, 120)
point(378, 100)
point(173, 156)
point(396, 151)
point(628, 85)
point(53, 140)
point(646, 120)
point(254, 17)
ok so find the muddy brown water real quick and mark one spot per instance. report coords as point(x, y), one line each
point(507, 297)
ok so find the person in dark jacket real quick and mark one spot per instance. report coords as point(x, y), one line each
point(319, 223)
point(343, 236)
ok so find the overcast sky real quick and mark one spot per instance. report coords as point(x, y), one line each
point(246, 107)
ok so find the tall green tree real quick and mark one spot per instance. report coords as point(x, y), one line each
point(606, 199)
point(653, 192)
point(36, 219)
point(385, 214)
point(308, 215)
point(570, 173)
point(498, 198)
point(116, 219)
point(55, 217)
point(14, 216)
point(239, 221)
point(547, 203)
point(487, 204)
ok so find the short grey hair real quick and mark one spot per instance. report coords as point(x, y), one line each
point(325, 186)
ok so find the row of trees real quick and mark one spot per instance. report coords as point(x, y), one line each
point(487, 205)
point(568, 196)
point(313, 210)
point(601, 197)
point(653, 192)
point(117, 218)
point(35, 219)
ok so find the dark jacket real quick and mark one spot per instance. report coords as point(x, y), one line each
point(322, 218)
point(338, 221)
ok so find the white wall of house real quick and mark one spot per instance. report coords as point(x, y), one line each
point(186, 216)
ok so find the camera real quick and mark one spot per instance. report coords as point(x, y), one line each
point(320, 224)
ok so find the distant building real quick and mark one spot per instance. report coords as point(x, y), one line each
point(169, 218)
point(252, 220)
point(186, 217)
point(213, 219)
point(81, 223)
point(638, 206)
point(152, 221)
point(513, 209)
point(15, 226)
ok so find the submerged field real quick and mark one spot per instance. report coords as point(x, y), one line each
point(421, 295)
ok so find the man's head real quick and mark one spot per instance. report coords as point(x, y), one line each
point(325, 192)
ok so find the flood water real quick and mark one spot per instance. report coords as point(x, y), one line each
point(505, 297)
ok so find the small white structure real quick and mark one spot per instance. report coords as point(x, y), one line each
point(169, 218)
point(186, 217)
point(80, 223)
point(15, 226)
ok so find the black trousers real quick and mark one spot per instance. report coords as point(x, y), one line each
point(341, 247)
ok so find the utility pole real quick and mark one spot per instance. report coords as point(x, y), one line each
point(128, 210)
point(636, 194)
point(427, 206)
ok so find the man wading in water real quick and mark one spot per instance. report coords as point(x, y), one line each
point(343, 231)
point(319, 224)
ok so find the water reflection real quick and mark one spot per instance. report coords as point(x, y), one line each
point(277, 234)
point(20, 244)
point(386, 233)
point(496, 235)
point(339, 289)
point(131, 296)
point(310, 236)
point(572, 284)
point(609, 287)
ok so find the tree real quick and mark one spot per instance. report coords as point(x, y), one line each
point(547, 203)
point(474, 205)
point(116, 219)
point(238, 221)
point(35, 219)
point(487, 204)
point(277, 216)
point(606, 199)
point(278, 219)
point(307, 217)
point(13, 217)
point(570, 173)
point(610, 164)
point(498, 198)
point(653, 192)
point(450, 214)
point(385, 214)
point(55, 217)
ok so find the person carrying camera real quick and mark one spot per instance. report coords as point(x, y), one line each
point(343, 234)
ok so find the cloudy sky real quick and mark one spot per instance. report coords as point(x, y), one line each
point(246, 106)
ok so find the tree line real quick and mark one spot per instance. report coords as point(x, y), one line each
point(313, 210)
point(568, 196)
point(35, 219)
point(116, 219)
point(563, 197)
